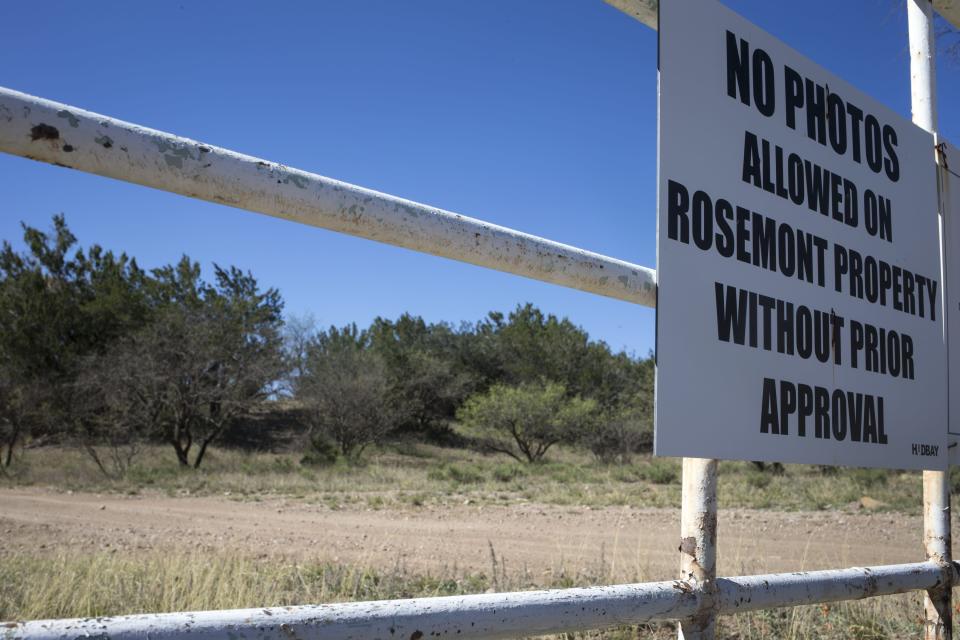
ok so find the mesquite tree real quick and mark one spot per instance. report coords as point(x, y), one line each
point(345, 390)
point(525, 421)
point(211, 354)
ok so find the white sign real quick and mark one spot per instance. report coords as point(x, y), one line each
point(799, 306)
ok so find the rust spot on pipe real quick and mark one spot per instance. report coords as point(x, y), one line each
point(683, 585)
point(44, 132)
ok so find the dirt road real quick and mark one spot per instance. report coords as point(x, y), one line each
point(628, 543)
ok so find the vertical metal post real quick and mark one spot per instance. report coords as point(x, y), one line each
point(923, 75)
point(936, 485)
point(698, 544)
point(936, 540)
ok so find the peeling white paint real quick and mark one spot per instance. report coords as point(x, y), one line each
point(56, 133)
point(698, 545)
point(499, 615)
point(646, 10)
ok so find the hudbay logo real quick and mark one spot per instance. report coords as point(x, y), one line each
point(924, 449)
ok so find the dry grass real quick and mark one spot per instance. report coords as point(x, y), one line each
point(54, 586)
point(42, 585)
point(417, 474)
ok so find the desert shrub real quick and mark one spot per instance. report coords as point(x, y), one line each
point(660, 471)
point(616, 436)
point(345, 391)
point(508, 472)
point(869, 478)
point(525, 421)
point(457, 473)
point(758, 479)
point(322, 452)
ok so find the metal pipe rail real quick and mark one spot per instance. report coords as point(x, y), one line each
point(645, 11)
point(69, 137)
point(497, 615)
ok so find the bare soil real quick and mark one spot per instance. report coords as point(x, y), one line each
point(623, 543)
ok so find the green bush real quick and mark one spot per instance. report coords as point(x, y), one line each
point(525, 421)
point(869, 478)
point(508, 472)
point(627, 474)
point(322, 453)
point(660, 471)
point(758, 479)
point(458, 474)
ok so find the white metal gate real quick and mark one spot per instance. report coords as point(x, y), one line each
point(66, 136)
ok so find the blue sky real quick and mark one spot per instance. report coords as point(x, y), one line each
point(537, 115)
